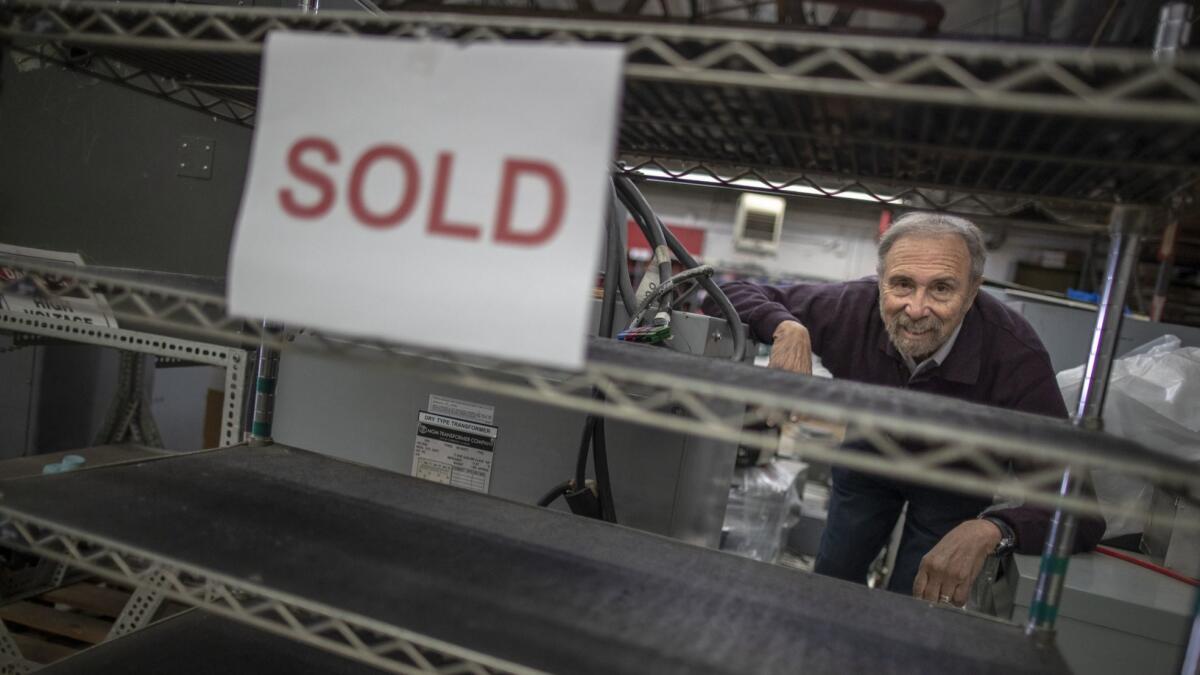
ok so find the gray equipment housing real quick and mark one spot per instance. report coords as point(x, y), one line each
point(663, 482)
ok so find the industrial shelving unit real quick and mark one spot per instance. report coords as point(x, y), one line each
point(904, 122)
point(899, 119)
point(233, 360)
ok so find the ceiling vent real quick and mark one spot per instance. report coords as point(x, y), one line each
point(759, 223)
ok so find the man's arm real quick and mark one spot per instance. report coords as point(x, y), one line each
point(950, 568)
point(761, 307)
point(792, 319)
point(1031, 524)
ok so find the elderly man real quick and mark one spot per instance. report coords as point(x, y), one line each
point(922, 325)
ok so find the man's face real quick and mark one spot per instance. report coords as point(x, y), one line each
point(925, 291)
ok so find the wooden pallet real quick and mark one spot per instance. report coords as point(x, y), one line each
point(61, 622)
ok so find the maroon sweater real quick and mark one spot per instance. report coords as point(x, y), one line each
point(996, 360)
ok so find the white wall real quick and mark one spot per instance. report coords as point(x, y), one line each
point(1026, 245)
point(823, 238)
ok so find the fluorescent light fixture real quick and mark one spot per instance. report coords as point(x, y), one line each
point(699, 178)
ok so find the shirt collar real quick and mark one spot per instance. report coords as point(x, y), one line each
point(937, 357)
point(959, 356)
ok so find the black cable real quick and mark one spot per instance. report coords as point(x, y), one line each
point(645, 221)
point(585, 443)
point(703, 272)
point(651, 226)
point(685, 294)
point(593, 427)
point(558, 491)
point(718, 296)
point(640, 209)
point(617, 219)
point(603, 485)
point(608, 306)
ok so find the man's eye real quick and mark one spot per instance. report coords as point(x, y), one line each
point(941, 288)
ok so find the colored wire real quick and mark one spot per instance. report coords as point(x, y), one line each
point(1148, 565)
point(640, 209)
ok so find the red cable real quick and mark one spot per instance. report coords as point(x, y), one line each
point(1148, 565)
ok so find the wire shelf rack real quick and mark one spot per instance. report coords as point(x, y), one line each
point(414, 577)
point(932, 124)
point(929, 440)
point(388, 648)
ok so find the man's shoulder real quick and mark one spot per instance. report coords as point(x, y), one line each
point(1006, 324)
point(866, 288)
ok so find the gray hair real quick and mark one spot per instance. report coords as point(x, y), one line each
point(930, 224)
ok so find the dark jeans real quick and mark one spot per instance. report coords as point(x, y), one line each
point(862, 512)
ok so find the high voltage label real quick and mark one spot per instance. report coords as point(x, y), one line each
point(454, 452)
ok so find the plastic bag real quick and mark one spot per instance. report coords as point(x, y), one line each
point(1152, 398)
point(763, 505)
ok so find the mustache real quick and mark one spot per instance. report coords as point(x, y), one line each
point(917, 325)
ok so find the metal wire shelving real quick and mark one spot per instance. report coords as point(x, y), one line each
point(662, 389)
point(975, 127)
point(1042, 132)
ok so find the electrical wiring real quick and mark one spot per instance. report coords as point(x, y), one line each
point(608, 510)
point(683, 295)
point(715, 292)
point(620, 266)
point(554, 493)
point(595, 425)
point(640, 209)
point(1148, 565)
point(650, 225)
point(703, 271)
point(612, 271)
point(585, 443)
point(593, 441)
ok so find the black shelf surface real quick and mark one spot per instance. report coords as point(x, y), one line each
point(194, 643)
point(532, 586)
point(927, 412)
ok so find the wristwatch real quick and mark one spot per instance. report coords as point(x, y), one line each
point(1008, 538)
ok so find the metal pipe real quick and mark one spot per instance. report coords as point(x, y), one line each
point(1174, 30)
point(1126, 228)
point(1166, 258)
point(264, 388)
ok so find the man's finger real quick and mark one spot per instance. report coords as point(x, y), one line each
point(933, 590)
point(921, 581)
point(960, 594)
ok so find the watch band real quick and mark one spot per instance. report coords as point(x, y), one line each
point(1008, 538)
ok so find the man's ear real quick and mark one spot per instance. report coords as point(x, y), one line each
point(975, 286)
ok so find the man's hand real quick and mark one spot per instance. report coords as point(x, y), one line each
point(950, 567)
point(792, 349)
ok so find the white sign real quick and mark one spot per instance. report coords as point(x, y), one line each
point(438, 194)
point(455, 407)
point(93, 311)
point(84, 311)
point(454, 452)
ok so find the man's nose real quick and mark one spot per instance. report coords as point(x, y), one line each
point(917, 307)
